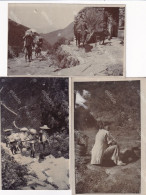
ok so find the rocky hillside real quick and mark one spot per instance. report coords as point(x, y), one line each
point(15, 33)
point(116, 104)
point(93, 59)
point(108, 104)
point(21, 172)
point(15, 38)
point(37, 101)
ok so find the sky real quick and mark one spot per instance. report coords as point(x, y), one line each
point(43, 18)
point(81, 99)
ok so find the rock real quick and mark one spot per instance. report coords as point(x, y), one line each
point(65, 57)
point(50, 180)
point(51, 156)
point(93, 167)
point(130, 155)
point(59, 152)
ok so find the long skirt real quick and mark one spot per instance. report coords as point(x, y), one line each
point(112, 153)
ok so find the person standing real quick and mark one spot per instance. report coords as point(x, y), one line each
point(28, 43)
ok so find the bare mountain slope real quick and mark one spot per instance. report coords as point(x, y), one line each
point(53, 37)
point(15, 37)
point(15, 33)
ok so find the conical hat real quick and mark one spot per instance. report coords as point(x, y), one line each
point(8, 130)
point(33, 131)
point(24, 129)
point(45, 127)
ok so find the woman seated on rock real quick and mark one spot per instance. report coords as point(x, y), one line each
point(105, 147)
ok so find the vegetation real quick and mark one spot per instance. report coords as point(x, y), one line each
point(116, 104)
point(42, 99)
point(32, 103)
point(13, 174)
point(37, 102)
point(109, 104)
point(98, 20)
point(60, 42)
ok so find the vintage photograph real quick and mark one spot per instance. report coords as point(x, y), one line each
point(66, 39)
point(34, 133)
point(107, 137)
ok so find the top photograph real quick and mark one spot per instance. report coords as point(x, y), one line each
point(66, 39)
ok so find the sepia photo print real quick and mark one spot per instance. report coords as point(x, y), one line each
point(66, 39)
point(34, 133)
point(107, 137)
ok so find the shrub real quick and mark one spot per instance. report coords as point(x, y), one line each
point(13, 174)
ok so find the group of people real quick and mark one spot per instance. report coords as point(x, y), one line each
point(82, 35)
point(80, 32)
point(32, 42)
point(85, 34)
point(27, 139)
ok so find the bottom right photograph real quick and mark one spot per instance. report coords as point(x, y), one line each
point(107, 137)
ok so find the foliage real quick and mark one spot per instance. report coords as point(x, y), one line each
point(59, 145)
point(65, 59)
point(42, 101)
point(60, 41)
point(96, 19)
point(110, 102)
point(13, 174)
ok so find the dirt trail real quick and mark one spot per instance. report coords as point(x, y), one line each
point(101, 60)
point(51, 174)
point(38, 66)
point(104, 179)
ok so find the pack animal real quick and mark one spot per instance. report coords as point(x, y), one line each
point(101, 36)
point(38, 47)
point(80, 32)
point(37, 51)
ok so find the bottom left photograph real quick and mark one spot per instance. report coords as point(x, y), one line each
point(34, 133)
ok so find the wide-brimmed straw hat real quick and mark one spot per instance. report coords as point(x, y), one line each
point(33, 131)
point(24, 129)
point(8, 130)
point(45, 127)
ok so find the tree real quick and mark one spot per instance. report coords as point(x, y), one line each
point(60, 41)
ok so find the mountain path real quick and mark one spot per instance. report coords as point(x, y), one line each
point(102, 60)
point(51, 174)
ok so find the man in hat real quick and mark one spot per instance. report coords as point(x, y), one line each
point(42, 142)
point(8, 132)
point(42, 139)
point(28, 44)
point(32, 138)
point(13, 146)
